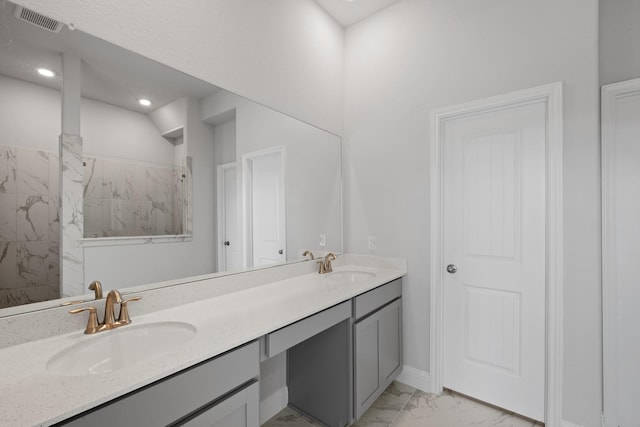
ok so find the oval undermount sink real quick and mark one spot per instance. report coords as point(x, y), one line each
point(120, 348)
point(349, 276)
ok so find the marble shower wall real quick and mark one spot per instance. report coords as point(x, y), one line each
point(29, 226)
point(131, 199)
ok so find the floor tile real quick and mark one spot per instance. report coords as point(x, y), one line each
point(400, 390)
point(387, 407)
point(425, 409)
point(382, 413)
point(525, 422)
point(404, 406)
point(289, 418)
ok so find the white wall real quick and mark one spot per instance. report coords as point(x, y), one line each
point(22, 99)
point(619, 40)
point(423, 54)
point(200, 146)
point(171, 116)
point(114, 132)
point(280, 53)
point(225, 142)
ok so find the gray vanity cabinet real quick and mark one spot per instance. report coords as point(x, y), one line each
point(377, 343)
point(220, 392)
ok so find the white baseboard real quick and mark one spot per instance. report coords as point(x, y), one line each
point(414, 377)
point(566, 423)
point(273, 404)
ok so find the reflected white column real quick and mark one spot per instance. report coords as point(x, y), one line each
point(187, 198)
point(71, 191)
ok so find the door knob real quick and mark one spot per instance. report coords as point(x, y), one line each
point(451, 268)
point(226, 243)
point(280, 251)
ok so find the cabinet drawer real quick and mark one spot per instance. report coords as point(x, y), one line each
point(291, 335)
point(170, 399)
point(376, 298)
point(238, 410)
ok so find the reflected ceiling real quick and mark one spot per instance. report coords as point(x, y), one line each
point(110, 74)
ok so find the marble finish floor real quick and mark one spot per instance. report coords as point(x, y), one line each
point(404, 406)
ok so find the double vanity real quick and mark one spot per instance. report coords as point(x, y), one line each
point(193, 351)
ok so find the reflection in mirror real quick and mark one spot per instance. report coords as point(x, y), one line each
point(199, 181)
point(140, 196)
point(29, 191)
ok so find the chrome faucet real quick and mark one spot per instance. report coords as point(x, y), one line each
point(325, 266)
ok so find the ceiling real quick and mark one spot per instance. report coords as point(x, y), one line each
point(110, 74)
point(347, 12)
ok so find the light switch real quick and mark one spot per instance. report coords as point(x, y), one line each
point(323, 240)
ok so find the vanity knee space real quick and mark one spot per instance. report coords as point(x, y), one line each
point(335, 375)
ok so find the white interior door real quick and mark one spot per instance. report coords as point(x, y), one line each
point(268, 230)
point(621, 252)
point(229, 236)
point(494, 241)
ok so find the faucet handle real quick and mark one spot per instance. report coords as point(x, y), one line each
point(124, 318)
point(92, 325)
point(80, 301)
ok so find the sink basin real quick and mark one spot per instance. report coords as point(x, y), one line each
point(120, 348)
point(349, 276)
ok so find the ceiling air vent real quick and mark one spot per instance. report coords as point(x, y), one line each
point(34, 18)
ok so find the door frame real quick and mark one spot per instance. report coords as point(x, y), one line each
point(610, 95)
point(222, 216)
point(551, 96)
point(247, 197)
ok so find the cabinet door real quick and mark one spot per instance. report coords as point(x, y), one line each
point(367, 363)
point(390, 341)
point(238, 410)
point(378, 354)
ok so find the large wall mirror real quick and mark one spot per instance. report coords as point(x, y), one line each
point(197, 181)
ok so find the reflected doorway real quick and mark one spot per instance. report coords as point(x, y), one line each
point(229, 241)
point(264, 207)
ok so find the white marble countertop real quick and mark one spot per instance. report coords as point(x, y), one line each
point(31, 396)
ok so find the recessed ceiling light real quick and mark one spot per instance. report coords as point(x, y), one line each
point(144, 102)
point(46, 72)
